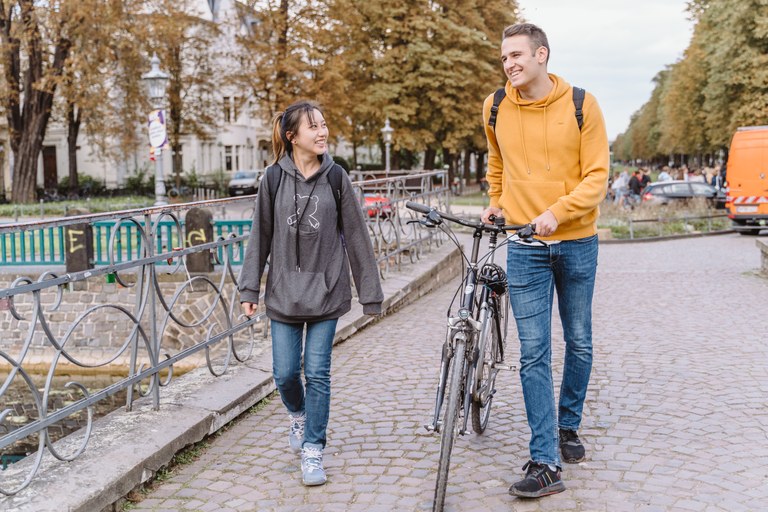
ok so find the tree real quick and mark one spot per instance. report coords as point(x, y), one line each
point(99, 85)
point(192, 50)
point(35, 41)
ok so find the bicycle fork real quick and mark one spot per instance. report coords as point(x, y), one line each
point(459, 328)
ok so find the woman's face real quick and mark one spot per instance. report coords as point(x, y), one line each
point(312, 135)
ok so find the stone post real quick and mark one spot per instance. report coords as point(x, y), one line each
point(199, 230)
point(78, 244)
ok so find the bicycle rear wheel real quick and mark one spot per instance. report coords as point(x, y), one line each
point(485, 378)
point(450, 426)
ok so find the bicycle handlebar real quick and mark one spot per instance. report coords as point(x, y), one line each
point(528, 230)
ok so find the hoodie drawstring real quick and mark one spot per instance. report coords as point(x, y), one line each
point(522, 138)
point(546, 146)
point(296, 212)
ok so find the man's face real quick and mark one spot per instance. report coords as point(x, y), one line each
point(522, 64)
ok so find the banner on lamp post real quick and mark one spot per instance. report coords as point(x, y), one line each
point(158, 135)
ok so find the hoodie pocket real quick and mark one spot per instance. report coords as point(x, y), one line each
point(532, 198)
point(300, 294)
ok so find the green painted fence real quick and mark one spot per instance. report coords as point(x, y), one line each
point(46, 246)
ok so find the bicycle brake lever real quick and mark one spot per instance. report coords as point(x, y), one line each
point(527, 233)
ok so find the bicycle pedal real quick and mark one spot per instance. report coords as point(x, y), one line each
point(502, 366)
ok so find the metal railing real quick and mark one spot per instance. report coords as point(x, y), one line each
point(46, 246)
point(165, 322)
point(699, 223)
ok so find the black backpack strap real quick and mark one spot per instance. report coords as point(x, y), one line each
point(578, 102)
point(334, 178)
point(274, 176)
point(498, 97)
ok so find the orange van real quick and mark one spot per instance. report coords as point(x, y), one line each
point(747, 180)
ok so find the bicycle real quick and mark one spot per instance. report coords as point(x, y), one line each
point(473, 352)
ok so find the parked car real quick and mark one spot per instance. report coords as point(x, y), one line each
point(665, 192)
point(244, 182)
point(377, 205)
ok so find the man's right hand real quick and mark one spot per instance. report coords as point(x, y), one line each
point(486, 216)
point(249, 308)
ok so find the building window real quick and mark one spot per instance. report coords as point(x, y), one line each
point(227, 109)
point(237, 157)
point(228, 158)
point(239, 101)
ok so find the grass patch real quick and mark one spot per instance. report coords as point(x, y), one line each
point(60, 208)
point(473, 199)
point(648, 221)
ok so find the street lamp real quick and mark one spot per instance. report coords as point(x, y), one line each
point(156, 82)
point(386, 133)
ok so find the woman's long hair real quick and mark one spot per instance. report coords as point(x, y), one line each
point(288, 122)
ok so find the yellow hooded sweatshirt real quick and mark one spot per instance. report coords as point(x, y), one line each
point(539, 160)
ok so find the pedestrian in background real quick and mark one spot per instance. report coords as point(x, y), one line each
point(544, 168)
point(308, 286)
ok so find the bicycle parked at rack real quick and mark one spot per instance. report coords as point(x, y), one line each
point(473, 352)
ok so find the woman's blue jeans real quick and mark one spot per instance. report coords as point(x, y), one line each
point(287, 341)
point(534, 273)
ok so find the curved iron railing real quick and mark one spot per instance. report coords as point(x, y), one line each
point(167, 315)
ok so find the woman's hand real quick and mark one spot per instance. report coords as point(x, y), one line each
point(249, 308)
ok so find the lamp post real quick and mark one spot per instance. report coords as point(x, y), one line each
point(156, 82)
point(386, 133)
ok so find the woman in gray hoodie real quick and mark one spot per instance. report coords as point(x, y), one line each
point(308, 285)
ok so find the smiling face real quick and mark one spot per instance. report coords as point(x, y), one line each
point(524, 64)
point(312, 134)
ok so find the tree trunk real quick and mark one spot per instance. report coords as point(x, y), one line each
point(480, 168)
point(429, 159)
point(175, 110)
point(177, 162)
point(73, 129)
point(24, 178)
point(467, 165)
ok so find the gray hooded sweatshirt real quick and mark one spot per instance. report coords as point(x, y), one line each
point(308, 278)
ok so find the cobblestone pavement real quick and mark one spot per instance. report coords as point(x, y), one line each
point(675, 419)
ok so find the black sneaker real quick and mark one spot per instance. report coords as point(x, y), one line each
point(539, 481)
point(570, 446)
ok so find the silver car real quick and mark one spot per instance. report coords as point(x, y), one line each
point(244, 183)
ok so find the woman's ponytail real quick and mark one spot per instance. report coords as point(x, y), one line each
point(278, 144)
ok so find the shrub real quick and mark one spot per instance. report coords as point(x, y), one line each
point(342, 162)
point(87, 186)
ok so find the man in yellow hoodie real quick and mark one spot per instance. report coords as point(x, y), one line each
point(546, 167)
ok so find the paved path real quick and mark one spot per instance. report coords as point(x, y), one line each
point(676, 415)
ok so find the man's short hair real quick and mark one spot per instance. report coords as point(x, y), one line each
point(535, 34)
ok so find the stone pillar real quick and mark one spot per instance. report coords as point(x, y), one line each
point(199, 230)
point(78, 244)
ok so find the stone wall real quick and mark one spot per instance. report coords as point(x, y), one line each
point(89, 321)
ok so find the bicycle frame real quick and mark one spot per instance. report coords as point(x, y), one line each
point(470, 319)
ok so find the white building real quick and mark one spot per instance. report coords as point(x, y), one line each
point(240, 141)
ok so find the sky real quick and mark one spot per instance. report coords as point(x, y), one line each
point(612, 48)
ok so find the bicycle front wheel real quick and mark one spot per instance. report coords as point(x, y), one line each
point(450, 427)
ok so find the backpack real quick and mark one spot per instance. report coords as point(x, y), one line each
point(578, 102)
point(274, 175)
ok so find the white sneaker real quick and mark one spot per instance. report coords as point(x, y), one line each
point(312, 472)
point(296, 433)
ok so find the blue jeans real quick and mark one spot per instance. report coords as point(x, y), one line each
point(286, 366)
point(534, 273)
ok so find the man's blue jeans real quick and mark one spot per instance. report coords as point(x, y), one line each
point(286, 366)
point(534, 273)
